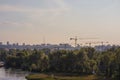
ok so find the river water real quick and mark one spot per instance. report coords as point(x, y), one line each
point(10, 74)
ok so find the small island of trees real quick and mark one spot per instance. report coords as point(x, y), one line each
point(86, 61)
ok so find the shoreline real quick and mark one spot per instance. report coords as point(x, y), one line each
point(62, 76)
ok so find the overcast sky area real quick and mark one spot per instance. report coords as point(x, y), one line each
point(32, 21)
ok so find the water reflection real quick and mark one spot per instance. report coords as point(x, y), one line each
point(10, 74)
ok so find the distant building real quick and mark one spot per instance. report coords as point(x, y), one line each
point(8, 43)
point(17, 44)
point(103, 47)
point(14, 44)
point(0, 43)
point(23, 44)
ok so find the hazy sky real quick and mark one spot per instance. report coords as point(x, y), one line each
point(32, 21)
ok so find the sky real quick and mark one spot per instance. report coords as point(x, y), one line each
point(55, 21)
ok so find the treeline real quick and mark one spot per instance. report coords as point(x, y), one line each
point(83, 61)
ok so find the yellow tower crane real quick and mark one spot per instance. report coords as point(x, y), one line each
point(76, 39)
point(101, 42)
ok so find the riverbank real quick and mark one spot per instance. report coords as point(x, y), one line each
point(60, 76)
point(1, 64)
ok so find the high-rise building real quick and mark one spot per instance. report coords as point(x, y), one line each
point(8, 43)
point(23, 44)
point(17, 44)
point(0, 43)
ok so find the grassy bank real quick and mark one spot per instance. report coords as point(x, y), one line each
point(61, 77)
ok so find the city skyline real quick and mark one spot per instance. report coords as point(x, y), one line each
point(56, 21)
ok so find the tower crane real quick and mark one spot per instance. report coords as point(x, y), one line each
point(90, 43)
point(76, 39)
point(101, 42)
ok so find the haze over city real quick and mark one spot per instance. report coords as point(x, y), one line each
point(55, 21)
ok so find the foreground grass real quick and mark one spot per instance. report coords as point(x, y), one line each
point(61, 77)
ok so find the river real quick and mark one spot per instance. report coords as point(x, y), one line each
point(12, 74)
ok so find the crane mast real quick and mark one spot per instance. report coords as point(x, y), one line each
point(75, 39)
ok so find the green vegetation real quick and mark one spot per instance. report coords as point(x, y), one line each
point(63, 77)
point(86, 61)
point(60, 77)
point(38, 77)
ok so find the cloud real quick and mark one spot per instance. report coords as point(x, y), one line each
point(36, 16)
point(61, 8)
point(14, 24)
